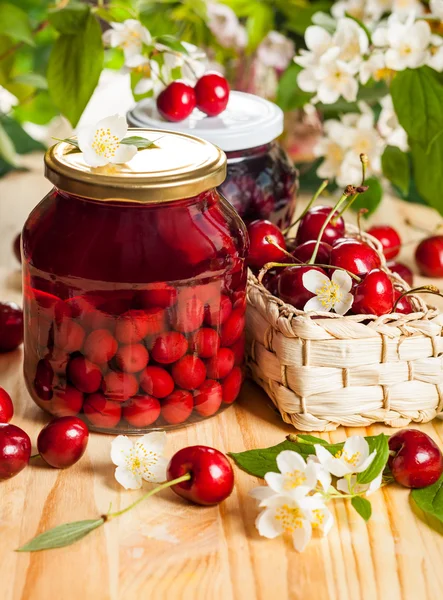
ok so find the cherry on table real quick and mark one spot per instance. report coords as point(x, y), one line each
point(291, 288)
point(388, 238)
point(416, 461)
point(6, 406)
point(403, 270)
point(176, 102)
point(354, 256)
point(374, 295)
point(260, 250)
point(311, 224)
point(212, 94)
point(15, 450)
point(62, 442)
point(212, 477)
point(11, 326)
point(429, 256)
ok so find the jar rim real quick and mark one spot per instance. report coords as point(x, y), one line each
point(177, 166)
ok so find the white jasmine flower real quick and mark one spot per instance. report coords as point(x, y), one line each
point(285, 514)
point(154, 82)
point(139, 460)
point(336, 78)
point(373, 68)
point(296, 478)
point(353, 458)
point(435, 60)
point(389, 127)
point(436, 7)
point(407, 43)
point(101, 145)
point(330, 294)
point(129, 36)
point(323, 477)
point(276, 51)
point(351, 39)
point(332, 146)
point(355, 8)
point(318, 41)
point(403, 8)
point(225, 26)
point(349, 485)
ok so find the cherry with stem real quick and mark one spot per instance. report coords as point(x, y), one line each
point(423, 289)
point(314, 198)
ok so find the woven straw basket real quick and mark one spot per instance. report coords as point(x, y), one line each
point(322, 370)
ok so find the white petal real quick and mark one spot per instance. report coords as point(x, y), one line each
point(262, 492)
point(421, 34)
point(117, 125)
point(356, 444)
point(327, 95)
point(322, 476)
point(85, 136)
point(157, 472)
point(121, 446)
point(92, 159)
point(375, 484)
point(144, 86)
point(343, 486)
point(365, 464)
point(154, 441)
point(315, 305)
point(129, 480)
point(276, 482)
point(307, 81)
point(335, 466)
point(343, 280)
point(341, 308)
point(349, 89)
point(317, 38)
point(302, 536)
point(313, 280)
point(288, 461)
point(267, 524)
point(124, 154)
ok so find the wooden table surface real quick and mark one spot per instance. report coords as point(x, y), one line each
point(168, 549)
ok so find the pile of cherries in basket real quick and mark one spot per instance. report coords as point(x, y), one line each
point(321, 244)
point(210, 95)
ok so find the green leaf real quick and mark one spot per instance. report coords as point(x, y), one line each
point(380, 444)
point(71, 141)
point(7, 150)
point(259, 24)
point(14, 23)
point(171, 42)
point(33, 79)
point(69, 20)
point(39, 110)
point(289, 95)
point(298, 20)
point(74, 69)
point(395, 164)
point(427, 172)
point(311, 439)
point(417, 95)
point(362, 506)
point(63, 535)
point(371, 198)
point(23, 142)
point(430, 499)
point(140, 143)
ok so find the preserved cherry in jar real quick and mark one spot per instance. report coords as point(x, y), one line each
point(261, 180)
point(134, 288)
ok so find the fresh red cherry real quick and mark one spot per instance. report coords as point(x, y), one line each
point(62, 442)
point(6, 406)
point(416, 461)
point(260, 250)
point(374, 295)
point(11, 326)
point(429, 256)
point(212, 477)
point(15, 450)
point(304, 252)
point(402, 270)
point(354, 256)
point(311, 224)
point(404, 305)
point(388, 238)
point(291, 288)
point(212, 94)
point(176, 102)
point(16, 246)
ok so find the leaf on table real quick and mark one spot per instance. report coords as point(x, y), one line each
point(362, 506)
point(62, 535)
point(430, 499)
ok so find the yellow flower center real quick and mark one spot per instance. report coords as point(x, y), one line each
point(329, 294)
point(131, 38)
point(290, 517)
point(352, 459)
point(140, 460)
point(319, 518)
point(293, 479)
point(384, 73)
point(104, 143)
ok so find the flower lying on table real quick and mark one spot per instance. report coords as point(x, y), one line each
point(295, 499)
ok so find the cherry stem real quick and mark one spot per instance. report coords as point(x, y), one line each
point(34, 456)
point(423, 289)
point(361, 212)
point(272, 265)
point(163, 486)
point(314, 198)
point(269, 239)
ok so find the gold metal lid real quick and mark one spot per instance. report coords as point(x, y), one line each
point(178, 166)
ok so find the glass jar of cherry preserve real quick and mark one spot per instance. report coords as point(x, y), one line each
point(261, 180)
point(134, 288)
